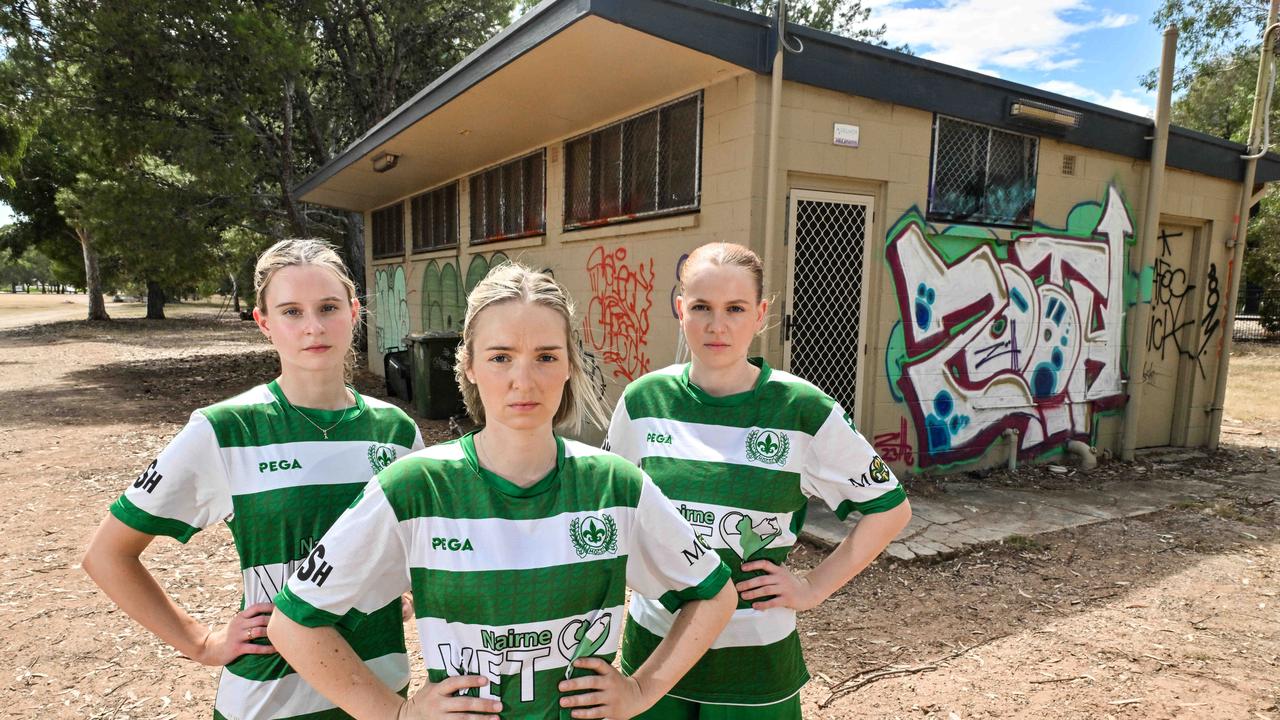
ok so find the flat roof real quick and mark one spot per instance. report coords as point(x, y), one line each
point(746, 40)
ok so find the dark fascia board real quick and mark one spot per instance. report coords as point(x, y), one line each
point(827, 61)
point(531, 30)
point(857, 68)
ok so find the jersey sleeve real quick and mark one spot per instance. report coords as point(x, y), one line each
point(844, 470)
point(418, 444)
point(184, 490)
point(667, 561)
point(620, 440)
point(359, 566)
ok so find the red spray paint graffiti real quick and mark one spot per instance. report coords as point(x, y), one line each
point(617, 321)
point(895, 446)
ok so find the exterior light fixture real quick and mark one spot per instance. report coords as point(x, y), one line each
point(384, 162)
point(1044, 114)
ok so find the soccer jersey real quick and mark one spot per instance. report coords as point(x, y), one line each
point(256, 462)
point(509, 582)
point(740, 469)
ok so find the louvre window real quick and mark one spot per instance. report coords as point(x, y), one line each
point(507, 200)
point(434, 218)
point(982, 175)
point(388, 231)
point(642, 166)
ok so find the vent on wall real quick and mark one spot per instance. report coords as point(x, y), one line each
point(1069, 165)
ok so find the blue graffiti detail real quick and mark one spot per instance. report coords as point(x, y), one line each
point(1016, 296)
point(924, 306)
point(941, 425)
point(1044, 379)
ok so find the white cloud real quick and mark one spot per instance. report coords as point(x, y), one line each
point(988, 35)
point(1138, 103)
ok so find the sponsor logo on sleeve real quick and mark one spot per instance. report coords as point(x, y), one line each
point(149, 478)
point(315, 569)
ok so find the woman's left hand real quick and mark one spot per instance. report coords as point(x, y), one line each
point(610, 694)
point(787, 590)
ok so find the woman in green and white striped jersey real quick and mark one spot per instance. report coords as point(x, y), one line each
point(740, 447)
point(518, 544)
point(278, 463)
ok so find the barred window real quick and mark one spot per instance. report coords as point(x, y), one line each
point(434, 218)
point(388, 231)
point(639, 167)
point(981, 174)
point(507, 201)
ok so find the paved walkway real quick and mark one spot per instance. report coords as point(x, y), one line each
point(972, 513)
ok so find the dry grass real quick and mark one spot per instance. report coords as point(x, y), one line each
point(1253, 390)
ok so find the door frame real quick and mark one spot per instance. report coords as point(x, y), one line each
point(794, 196)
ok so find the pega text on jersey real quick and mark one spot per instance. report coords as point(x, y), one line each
point(277, 465)
point(440, 543)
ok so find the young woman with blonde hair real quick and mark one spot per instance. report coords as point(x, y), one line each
point(518, 544)
point(740, 447)
point(278, 464)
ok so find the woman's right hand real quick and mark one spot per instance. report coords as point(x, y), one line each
point(236, 638)
point(441, 700)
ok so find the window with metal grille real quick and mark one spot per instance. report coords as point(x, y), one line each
point(507, 201)
point(982, 175)
point(388, 231)
point(434, 218)
point(640, 167)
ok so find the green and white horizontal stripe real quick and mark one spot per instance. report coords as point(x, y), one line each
point(740, 469)
point(290, 696)
point(256, 463)
point(508, 582)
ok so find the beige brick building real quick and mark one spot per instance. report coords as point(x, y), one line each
point(957, 270)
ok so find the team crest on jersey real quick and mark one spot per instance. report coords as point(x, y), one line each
point(593, 535)
point(768, 446)
point(879, 471)
point(380, 456)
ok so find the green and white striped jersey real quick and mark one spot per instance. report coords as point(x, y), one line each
point(740, 469)
point(256, 463)
point(508, 582)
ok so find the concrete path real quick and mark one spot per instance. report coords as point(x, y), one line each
point(971, 513)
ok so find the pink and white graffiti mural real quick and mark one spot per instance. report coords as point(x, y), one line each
point(997, 334)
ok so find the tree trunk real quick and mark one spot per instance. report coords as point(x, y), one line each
point(92, 278)
point(155, 301)
point(355, 263)
point(235, 293)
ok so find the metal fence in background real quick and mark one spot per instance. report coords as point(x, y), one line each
point(1257, 316)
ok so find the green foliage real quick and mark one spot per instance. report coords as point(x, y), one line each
point(844, 17)
point(1219, 48)
point(1209, 31)
point(171, 134)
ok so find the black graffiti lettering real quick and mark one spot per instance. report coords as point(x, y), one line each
point(149, 478)
point(1167, 320)
point(1211, 322)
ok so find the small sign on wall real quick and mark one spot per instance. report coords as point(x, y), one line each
point(846, 135)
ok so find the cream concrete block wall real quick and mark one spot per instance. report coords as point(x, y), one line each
point(631, 268)
point(625, 271)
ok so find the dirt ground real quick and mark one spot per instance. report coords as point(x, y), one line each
point(1169, 615)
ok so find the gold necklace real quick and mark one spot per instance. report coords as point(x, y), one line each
point(323, 430)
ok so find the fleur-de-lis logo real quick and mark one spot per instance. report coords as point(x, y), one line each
point(768, 446)
point(381, 456)
point(593, 535)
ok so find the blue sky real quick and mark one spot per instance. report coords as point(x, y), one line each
point(1090, 50)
